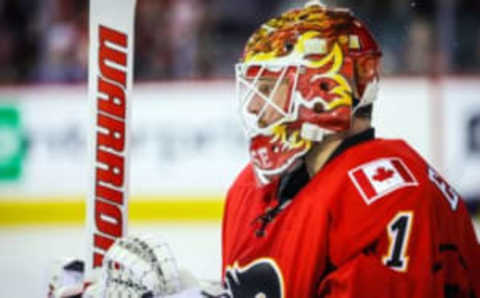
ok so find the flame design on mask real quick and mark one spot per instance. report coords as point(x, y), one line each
point(277, 52)
point(336, 58)
point(275, 33)
point(289, 142)
point(343, 90)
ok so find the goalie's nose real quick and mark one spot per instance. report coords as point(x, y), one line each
point(264, 115)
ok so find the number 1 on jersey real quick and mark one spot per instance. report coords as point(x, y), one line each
point(398, 230)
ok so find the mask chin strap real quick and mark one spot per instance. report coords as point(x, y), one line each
point(314, 132)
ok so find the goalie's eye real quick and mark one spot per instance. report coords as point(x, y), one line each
point(265, 88)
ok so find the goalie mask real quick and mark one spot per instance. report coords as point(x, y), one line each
point(301, 77)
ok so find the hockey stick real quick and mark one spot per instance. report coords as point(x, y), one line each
point(110, 80)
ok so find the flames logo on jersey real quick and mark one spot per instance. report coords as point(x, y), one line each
point(260, 279)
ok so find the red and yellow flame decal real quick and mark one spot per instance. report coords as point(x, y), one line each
point(343, 89)
point(270, 40)
point(289, 142)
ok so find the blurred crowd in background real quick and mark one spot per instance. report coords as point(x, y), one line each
point(47, 41)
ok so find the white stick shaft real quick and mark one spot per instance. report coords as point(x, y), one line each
point(110, 82)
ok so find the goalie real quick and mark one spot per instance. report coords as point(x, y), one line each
point(326, 209)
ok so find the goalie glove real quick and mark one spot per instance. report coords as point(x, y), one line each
point(140, 266)
point(143, 267)
point(133, 267)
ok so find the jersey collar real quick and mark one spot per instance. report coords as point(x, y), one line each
point(351, 141)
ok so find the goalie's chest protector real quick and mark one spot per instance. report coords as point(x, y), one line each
point(303, 242)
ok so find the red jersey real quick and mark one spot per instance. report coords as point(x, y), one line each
point(375, 221)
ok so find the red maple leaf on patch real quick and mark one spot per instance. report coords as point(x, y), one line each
point(381, 174)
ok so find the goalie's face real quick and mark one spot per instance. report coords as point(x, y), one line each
point(265, 101)
point(265, 112)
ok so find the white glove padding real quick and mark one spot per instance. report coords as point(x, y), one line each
point(66, 279)
point(141, 266)
point(133, 267)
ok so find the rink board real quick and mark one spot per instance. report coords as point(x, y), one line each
point(188, 146)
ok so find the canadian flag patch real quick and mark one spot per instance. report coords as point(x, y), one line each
point(380, 177)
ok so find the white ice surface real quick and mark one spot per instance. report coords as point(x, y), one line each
point(27, 253)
